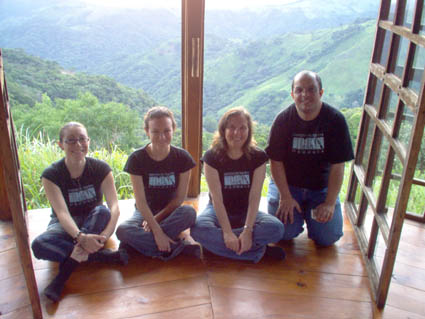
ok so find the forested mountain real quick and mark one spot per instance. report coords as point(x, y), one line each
point(29, 77)
point(250, 54)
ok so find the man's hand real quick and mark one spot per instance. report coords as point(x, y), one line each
point(324, 212)
point(286, 208)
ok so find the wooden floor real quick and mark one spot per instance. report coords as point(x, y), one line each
point(311, 283)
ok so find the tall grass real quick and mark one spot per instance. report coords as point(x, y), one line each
point(36, 153)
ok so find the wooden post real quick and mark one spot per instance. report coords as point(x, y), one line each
point(192, 85)
point(16, 198)
point(5, 213)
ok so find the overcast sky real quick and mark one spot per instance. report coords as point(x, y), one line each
point(209, 4)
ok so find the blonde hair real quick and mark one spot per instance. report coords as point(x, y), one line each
point(66, 127)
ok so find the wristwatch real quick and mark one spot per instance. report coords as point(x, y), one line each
point(75, 239)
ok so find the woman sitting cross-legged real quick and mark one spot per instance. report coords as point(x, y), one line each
point(159, 173)
point(80, 224)
point(231, 225)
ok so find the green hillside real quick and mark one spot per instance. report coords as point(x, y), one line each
point(340, 56)
point(256, 74)
point(29, 77)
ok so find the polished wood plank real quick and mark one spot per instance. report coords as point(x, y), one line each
point(196, 312)
point(240, 303)
point(312, 282)
point(406, 298)
point(299, 283)
point(7, 237)
point(97, 277)
point(14, 294)
point(134, 301)
point(390, 312)
point(21, 313)
point(10, 264)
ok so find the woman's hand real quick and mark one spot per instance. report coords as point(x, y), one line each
point(146, 227)
point(79, 254)
point(163, 242)
point(91, 243)
point(231, 241)
point(245, 240)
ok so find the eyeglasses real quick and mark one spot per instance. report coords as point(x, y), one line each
point(82, 140)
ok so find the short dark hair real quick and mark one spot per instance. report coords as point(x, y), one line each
point(312, 74)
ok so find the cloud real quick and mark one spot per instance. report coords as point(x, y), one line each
point(174, 4)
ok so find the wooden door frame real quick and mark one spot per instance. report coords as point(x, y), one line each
point(193, 12)
point(15, 193)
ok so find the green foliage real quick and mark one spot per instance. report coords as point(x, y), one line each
point(35, 154)
point(28, 78)
point(107, 124)
point(353, 117)
point(38, 152)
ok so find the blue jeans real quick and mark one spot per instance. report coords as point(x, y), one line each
point(207, 231)
point(56, 244)
point(131, 232)
point(324, 234)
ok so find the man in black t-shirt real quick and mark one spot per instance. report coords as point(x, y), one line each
point(308, 145)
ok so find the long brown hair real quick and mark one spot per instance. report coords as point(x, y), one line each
point(219, 143)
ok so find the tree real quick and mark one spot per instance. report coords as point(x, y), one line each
point(107, 124)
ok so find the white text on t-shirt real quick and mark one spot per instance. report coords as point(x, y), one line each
point(78, 196)
point(162, 180)
point(236, 180)
point(308, 143)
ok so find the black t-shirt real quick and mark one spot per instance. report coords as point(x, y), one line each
point(236, 180)
point(160, 178)
point(308, 148)
point(81, 194)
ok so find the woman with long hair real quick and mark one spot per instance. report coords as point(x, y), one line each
point(159, 173)
point(80, 224)
point(231, 225)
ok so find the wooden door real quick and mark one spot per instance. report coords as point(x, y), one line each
point(192, 84)
point(390, 138)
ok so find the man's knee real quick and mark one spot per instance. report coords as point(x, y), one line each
point(325, 240)
point(292, 230)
